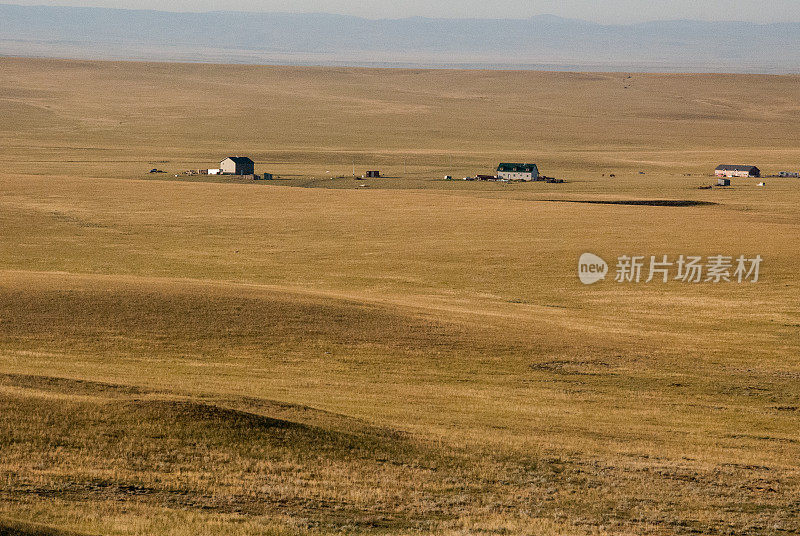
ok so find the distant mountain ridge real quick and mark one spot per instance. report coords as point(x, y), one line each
point(317, 38)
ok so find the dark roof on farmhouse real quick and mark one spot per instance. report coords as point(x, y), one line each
point(519, 168)
point(736, 168)
point(240, 159)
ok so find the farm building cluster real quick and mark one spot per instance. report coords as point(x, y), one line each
point(511, 172)
point(725, 173)
point(244, 167)
point(239, 166)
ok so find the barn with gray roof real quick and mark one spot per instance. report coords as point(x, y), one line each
point(737, 171)
point(237, 165)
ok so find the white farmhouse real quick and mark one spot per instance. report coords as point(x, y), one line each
point(518, 172)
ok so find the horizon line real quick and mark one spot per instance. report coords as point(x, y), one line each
point(423, 17)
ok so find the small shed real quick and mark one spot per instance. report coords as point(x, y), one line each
point(723, 182)
point(267, 176)
point(237, 165)
point(373, 174)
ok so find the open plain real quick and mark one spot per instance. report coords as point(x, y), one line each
point(317, 354)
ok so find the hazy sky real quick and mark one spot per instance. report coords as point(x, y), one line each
point(608, 11)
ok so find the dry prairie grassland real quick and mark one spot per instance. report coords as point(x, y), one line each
point(210, 357)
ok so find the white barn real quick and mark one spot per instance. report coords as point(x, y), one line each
point(237, 165)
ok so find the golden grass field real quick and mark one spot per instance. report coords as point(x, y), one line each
point(181, 356)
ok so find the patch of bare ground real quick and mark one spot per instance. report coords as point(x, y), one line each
point(574, 367)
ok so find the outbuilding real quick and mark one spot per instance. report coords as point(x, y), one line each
point(237, 165)
point(518, 172)
point(373, 174)
point(737, 171)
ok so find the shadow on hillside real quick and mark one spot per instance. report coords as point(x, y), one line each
point(638, 202)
